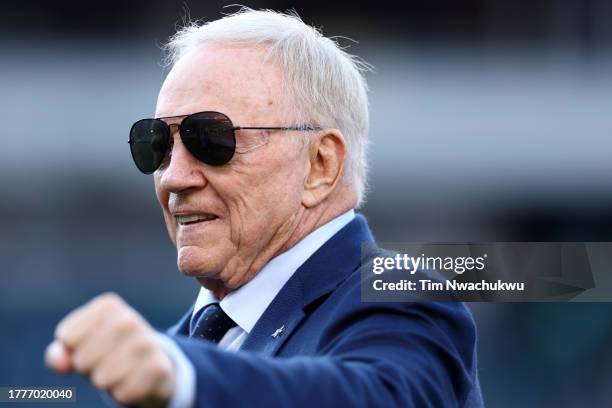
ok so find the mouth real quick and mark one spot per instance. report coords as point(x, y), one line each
point(190, 219)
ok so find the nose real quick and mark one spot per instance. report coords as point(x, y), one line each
point(183, 172)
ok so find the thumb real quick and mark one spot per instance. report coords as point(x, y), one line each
point(57, 358)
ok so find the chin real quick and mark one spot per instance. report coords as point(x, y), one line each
point(197, 263)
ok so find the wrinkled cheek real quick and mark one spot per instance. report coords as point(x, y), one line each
point(236, 225)
point(246, 231)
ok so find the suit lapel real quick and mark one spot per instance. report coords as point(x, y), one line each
point(319, 275)
point(278, 321)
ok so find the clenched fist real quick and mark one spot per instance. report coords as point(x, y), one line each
point(115, 347)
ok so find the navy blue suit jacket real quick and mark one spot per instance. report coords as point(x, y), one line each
point(335, 350)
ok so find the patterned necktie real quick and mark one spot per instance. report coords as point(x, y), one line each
point(211, 323)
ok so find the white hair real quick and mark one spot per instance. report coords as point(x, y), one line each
point(325, 84)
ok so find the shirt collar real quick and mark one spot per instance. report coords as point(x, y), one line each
point(246, 304)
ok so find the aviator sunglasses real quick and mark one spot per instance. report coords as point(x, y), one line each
point(209, 136)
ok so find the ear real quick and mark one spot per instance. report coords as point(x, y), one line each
point(327, 156)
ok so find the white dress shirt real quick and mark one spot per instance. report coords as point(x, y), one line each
point(247, 304)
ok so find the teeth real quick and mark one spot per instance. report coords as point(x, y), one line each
point(187, 219)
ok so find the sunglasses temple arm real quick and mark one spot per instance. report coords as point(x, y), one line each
point(277, 128)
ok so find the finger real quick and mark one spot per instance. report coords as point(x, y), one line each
point(103, 339)
point(57, 358)
point(120, 363)
point(78, 324)
point(144, 383)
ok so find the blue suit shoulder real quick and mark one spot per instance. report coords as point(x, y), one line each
point(423, 351)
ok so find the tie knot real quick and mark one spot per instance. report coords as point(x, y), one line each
point(211, 323)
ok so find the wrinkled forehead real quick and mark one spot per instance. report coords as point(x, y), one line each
point(239, 81)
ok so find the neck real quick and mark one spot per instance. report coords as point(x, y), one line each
point(308, 222)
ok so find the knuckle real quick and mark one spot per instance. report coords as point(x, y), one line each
point(127, 395)
point(61, 333)
point(99, 379)
point(109, 301)
point(69, 341)
point(138, 394)
point(80, 363)
point(126, 323)
point(65, 333)
point(120, 395)
point(143, 345)
point(157, 369)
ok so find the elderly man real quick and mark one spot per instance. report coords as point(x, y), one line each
point(258, 155)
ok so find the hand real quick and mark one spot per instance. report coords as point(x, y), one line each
point(109, 342)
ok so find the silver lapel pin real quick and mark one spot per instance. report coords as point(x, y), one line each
point(278, 332)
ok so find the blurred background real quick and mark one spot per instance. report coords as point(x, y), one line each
point(490, 121)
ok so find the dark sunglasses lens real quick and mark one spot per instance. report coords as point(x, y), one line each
point(209, 136)
point(149, 144)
